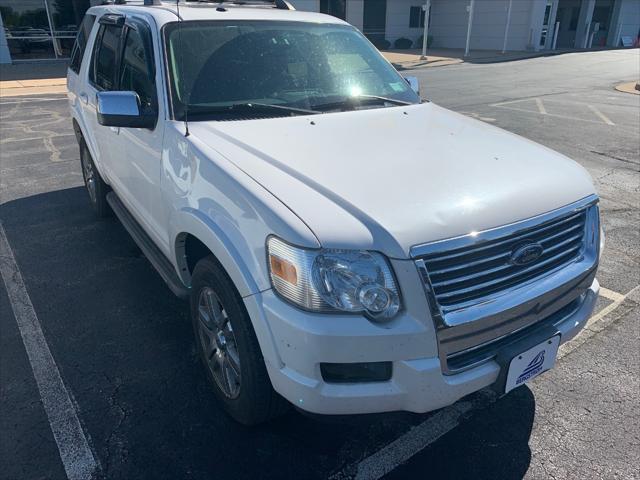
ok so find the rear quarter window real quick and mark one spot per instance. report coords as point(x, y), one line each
point(81, 42)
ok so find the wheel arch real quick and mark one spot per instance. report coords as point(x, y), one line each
point(197, 237)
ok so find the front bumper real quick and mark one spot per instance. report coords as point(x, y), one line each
point(294, 343)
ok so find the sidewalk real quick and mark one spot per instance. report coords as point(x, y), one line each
point(438, 57)
point(33, 78)
point(410, 59)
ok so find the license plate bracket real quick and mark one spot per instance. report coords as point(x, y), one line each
point(528, 365)
point(515, 358)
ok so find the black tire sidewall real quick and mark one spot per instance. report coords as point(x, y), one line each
point(100, 204)
point(255, 388)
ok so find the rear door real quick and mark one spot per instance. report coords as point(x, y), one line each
point(77, 62)
point(102, 76)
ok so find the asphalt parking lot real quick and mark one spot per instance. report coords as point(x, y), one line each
point(123, 346)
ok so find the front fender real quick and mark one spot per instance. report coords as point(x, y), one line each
point(194, 222)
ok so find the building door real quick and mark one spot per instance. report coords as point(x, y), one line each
point(40, 29)
point(568, 16)
point(337, 8)
point(602, 15)
point(375, 20)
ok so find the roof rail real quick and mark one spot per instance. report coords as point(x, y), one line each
point(280, 4)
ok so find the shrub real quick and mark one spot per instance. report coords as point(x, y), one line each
point(418, 43)
point(403, 43)
point(382, 44)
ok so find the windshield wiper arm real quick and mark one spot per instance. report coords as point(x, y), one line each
point(357, 100)
point(253, 107)
point(384, 99)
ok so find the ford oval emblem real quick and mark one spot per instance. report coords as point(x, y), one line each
point(526, 254)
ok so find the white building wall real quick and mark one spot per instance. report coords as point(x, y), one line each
point(449, 21)
point(629, 20)
point(398, 20)
point(5, 56)
point(450, 18)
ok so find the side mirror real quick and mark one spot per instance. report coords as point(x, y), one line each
point(122, 109)
point(414, 84)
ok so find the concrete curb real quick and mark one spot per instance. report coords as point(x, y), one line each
point(441, 62)
point(18, 88)
point(630, 87)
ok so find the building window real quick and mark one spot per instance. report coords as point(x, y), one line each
point(416, 17)
point(575, 15)
point(35, 30)
point(337, 8)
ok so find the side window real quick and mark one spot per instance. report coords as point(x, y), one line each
point(105, 54)
point(136, 71)
point(81, 42)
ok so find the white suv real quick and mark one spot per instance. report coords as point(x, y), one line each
point(344, 246)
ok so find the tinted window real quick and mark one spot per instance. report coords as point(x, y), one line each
point(81, 42)
point(103, 73)
point(137, 74)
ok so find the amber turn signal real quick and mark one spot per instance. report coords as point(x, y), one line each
point(284, 269)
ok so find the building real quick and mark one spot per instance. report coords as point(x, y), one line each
point(45, 29)
point(532, 23)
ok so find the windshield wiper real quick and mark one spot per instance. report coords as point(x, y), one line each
point(355, 101)
point(249, 107)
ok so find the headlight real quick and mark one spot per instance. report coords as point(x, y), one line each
point(324, 280)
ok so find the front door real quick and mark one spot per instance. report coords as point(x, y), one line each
point(375, 20)
point(142, 147)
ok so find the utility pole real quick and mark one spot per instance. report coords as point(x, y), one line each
point(425, 36)
point(506, 28)
point(469, 25)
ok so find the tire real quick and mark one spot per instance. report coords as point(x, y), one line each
point(229, 349)
point(95, 185)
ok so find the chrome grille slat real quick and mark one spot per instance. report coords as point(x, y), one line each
point(503, 255)
point(491, 244)
point(476, 263)
point(523, 273)
point(480, 295)
point(484, 273)
point(475, 271)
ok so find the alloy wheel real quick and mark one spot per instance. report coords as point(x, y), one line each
point(218, 343)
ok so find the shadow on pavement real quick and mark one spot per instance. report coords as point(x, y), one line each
point(124, 346)
point(492, 444)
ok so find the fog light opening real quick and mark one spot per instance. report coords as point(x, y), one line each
point(356, 372)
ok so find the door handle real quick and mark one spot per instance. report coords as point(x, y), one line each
point(84, 97)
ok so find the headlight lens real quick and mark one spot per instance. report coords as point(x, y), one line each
point(334, 280)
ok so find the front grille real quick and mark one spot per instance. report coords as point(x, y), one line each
point(468, 275)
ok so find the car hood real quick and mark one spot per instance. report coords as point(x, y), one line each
point(392, 178)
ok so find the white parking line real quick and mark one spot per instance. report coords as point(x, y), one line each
point(75, 453)
point(602, 116)
point(389, 457)
point(541, 109)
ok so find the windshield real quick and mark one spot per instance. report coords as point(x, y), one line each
point(215, 67)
